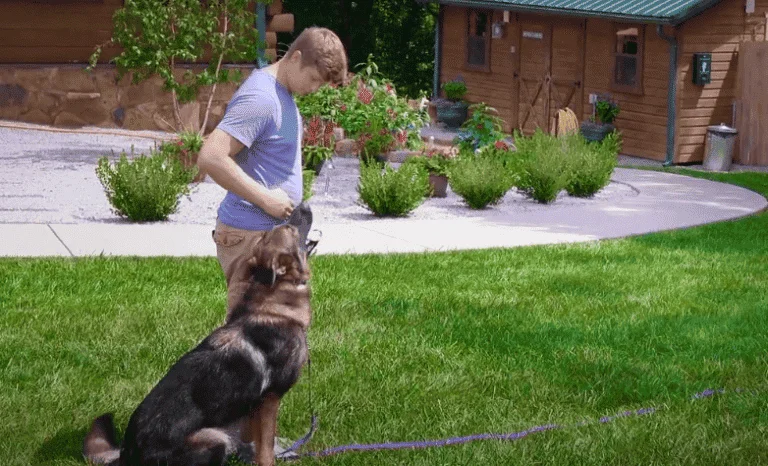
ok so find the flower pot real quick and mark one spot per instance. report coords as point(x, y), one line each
point(596, 132)
point(453, 114)
point(438, 185)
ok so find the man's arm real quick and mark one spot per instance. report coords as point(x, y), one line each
point(216, 158)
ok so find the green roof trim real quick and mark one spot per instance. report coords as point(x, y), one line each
point(671, 12)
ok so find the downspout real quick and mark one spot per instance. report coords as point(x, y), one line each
point(261, 26)
point(438, 51)
point(671, 94)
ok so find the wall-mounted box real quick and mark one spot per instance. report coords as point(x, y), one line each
point(702, 68)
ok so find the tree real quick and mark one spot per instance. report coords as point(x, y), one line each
point(399, 33)
point(156, 35)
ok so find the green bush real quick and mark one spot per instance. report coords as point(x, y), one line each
point(480, 180)
point(391, 192)
point(542, 165)
point(308, 180)
point(591, 164)
point(147, 188)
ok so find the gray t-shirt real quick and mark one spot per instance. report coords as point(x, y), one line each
point(264, 117)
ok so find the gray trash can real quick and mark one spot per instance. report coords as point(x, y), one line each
point(719, 148)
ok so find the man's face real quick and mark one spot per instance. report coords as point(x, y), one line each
point(304, 79)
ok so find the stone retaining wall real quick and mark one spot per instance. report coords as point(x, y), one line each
point(68, 96)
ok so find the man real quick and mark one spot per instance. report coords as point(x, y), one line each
point(255, 151)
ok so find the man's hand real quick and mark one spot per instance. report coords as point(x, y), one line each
point(217, 159)
point(278, 205)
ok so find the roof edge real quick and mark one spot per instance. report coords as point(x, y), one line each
point(665, 20)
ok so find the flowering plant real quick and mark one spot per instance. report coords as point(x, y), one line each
point(318, 142)
point(436, 160)
point(484, 127)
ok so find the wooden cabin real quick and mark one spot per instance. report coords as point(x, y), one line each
point(45, 47)
point(530, 58)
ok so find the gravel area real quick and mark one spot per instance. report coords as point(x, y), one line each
point(49, 177)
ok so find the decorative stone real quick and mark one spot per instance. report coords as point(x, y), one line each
point(346, 148)
point(73, 80)
point(88, 110)
point(338, 133)
point(190, 116)
point(36, 115)
point(12, 95)
point(118, 116)
point(70, 120)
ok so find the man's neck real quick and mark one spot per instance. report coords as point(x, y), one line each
point(277, 71)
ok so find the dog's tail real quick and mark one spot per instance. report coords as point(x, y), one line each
point(100, 445)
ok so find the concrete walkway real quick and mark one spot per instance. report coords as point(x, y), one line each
point(662, 201)
point(57, 173)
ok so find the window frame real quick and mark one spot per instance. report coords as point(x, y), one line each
point(486, 67)
point(637, 88)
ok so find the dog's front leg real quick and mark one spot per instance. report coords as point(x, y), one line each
point(267, 416)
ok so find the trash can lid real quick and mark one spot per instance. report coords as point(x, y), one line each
point(722, 128)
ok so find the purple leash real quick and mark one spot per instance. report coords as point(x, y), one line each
point(469, 438)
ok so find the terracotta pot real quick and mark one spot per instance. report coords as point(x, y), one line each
point(438, 185)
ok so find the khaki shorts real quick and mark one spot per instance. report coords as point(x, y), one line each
point(233, 246)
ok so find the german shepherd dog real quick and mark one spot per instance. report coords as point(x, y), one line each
point(221, 398)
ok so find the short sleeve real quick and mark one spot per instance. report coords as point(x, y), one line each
point(248, 117)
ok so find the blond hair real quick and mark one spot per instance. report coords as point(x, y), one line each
point(322, 48)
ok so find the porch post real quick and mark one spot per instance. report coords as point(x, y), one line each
point(261, 26)
point(438, 50)
point(671, 95)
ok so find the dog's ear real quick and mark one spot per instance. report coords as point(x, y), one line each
point(278, 265)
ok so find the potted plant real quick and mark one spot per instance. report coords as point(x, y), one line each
point(436, 162)
point(453, 109)
point(601, 125)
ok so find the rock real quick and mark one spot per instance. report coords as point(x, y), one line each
point(69, 120)
point(346, 148)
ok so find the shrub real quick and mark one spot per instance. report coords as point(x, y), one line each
point(480, 180)
point(542, 165)
point(308, 180)
point(591, 164)
point(147, 188)
point(391, 192)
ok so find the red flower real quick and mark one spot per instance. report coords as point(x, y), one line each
point(479, 126)
point(364, 95)
point(501, 145)
point(343, 108)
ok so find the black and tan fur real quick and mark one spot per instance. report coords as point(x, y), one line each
point(222, 397)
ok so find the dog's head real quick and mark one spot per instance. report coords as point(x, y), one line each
point(279, 257)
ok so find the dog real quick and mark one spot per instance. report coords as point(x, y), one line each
point(222, 397)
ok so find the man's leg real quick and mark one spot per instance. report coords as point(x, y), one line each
point(233, 249)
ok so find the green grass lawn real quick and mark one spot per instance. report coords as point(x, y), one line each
point(427, 346)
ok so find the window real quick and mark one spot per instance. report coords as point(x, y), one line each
point(479, 40)
point(628, 59)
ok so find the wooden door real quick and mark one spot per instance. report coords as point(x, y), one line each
point(533, 76)
point(752, 114)
point(567, 69)
point(550, 71)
